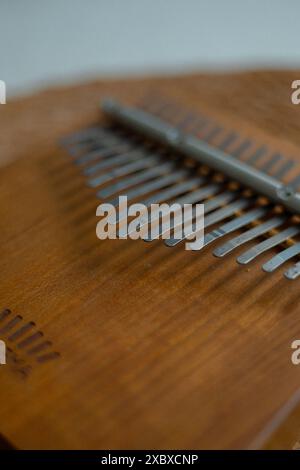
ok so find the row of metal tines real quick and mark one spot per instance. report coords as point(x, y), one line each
point(246, 149)
point(117, 162)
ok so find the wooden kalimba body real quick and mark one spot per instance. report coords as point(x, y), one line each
point(126, 344)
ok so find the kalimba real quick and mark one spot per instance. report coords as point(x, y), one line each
point(131, 344)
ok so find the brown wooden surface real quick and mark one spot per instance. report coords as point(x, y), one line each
point(158, 348)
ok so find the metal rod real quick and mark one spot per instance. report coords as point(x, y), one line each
point(202, 152)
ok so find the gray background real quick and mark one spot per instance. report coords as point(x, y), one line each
point(48, 42)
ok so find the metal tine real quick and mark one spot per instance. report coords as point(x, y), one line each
point(107, 141)
point(212, 133)
point(229, 139)
point(217, 215)
point(111, 135)
point(191, 122)
point(158, 184)
point(257, 155)
point(225, 212)
point(281, 258)
point(244, 145)
point(293, 272)
point(168, 193)
point(190, 198)
point(115, 161)
point(284, 169)
point(138, 178)
point(83, 135)
point(77, 150)
point(101, 153)
point(249, 235)
point(173, 191)
point(295, 182)
point(213, 218)
point(123, 171)
point(95, 138)
point(267, 167)
point(271, 242)
point(235, 224)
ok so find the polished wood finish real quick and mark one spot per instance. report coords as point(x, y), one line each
point(152, 347)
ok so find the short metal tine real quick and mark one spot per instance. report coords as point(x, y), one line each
point(249, 235)
point(235, 224)
point(257, 155)
point(281, 258)
point(284, 169)
point(212, 133)
point(267, 167)
point(293, 272)
point(295, 182)
point(228, 141)
point(188, 123)
point(214, 217)
point(266, 245)
point(244, 145)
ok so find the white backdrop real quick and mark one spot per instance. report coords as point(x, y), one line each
point(43, 42)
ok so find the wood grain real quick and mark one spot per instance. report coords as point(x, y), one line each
point(158, 348)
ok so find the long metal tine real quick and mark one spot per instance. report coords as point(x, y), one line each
point(102, 152)
point(84, 135)
point(123, 171)
point(158, 183)
point(115, 161)
point(138, 178)
point(190, 198)
point(168, 193)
